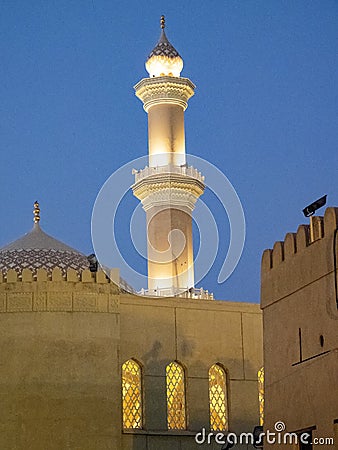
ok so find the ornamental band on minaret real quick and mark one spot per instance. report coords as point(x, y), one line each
point(168, 188)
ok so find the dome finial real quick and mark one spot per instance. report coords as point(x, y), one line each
point(164, 60)
point(36, 212)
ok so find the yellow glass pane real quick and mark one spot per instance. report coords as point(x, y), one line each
point(218, 398)
point(131, 395)
point(261, 395)
point(175, 397)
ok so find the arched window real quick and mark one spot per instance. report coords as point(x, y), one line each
point(261, 395)
point(176, 416)
point(131, 394)
point(218, 398)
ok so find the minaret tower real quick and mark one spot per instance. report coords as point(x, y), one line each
point(168, 188)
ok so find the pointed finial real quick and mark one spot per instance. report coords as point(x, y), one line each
point(36, 212)
point(162, 22)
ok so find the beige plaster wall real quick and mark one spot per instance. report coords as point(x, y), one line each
point(166, 135)
point(59, 369)
point(196, 333)
point(62, 344)
point(169, 264)
point(299, 297)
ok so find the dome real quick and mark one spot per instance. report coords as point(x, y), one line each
point(164, 60)
point(37, 250)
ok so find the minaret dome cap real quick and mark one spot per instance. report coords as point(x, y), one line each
point(164, 60)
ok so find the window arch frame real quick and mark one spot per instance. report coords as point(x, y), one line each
point(140, 410)
point(184, 425)
point(226, 397)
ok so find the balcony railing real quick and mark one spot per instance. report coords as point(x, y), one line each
point(192, 293)
point(169, 169)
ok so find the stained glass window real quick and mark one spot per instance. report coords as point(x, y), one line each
point(218, 398)
point(176, 416)
point(261, 395)
point(131, 394)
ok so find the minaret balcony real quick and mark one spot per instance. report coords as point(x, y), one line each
point(161, 90)
point(185, 170)
point(171, 186)
point(192, 293)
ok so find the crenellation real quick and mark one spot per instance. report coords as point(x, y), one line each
point(266, 260)
point(27, 275)
point(41, 275)
point(277, 253)
point(87, 276)
point(72, 275)
point(295, 243)
point(12, 276)
point(114, 276)
point(316, 228)
point(303, 258)
point(57, 274)
point(330, 220)
point(101, 277)
point(290, 245)
point(302, 237)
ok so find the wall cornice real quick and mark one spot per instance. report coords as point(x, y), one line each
point(168, 190)
point(160, 90)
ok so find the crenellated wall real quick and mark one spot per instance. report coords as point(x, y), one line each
point(89, 292)
point(300, 328)
point(59, 364)
point(63, 341)
point(300, 259)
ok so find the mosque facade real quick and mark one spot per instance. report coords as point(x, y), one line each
point(86, 365)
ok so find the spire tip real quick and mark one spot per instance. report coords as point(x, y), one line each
point(162, 22)
point(36, 212)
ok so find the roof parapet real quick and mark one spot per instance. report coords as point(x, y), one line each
point(295, 243)
point(71, 275)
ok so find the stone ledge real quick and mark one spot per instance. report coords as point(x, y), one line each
point(58, 302)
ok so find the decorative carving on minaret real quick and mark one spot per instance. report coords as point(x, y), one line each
point(173, 90)
point(168, 188)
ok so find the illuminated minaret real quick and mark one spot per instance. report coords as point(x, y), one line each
point(168, 188)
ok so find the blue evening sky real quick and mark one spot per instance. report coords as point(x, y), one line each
point(265, 111)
